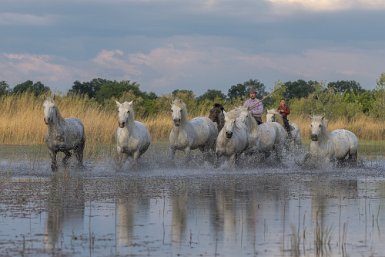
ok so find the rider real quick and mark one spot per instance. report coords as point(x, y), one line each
point(284, 110)
point(254, 105)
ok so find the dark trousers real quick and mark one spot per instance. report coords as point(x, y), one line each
point(286, 123)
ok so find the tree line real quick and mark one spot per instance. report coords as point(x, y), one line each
point(340, 98)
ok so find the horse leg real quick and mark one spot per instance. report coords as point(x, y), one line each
point(66, 157)
point(172, 151)
point(216, 160)
point(52, 154)
point(233, 160)
point(187, 152)
point(135, 158)
point(79, 153)
point(122, 159)
point(352, 158)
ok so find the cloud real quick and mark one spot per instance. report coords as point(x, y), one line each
point(18, 67)
point(326, 5)
point(24, 19)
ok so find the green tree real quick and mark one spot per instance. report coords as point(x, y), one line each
point(88, 89)
point(115, 89)
point(237, 91)
point(212, 95)
point(4, 88)
point(378, 105)
point(299, 88)
point(343, 86)
point(241, 90)
point(37, 88)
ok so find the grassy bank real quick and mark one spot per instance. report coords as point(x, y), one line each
point(21, 121)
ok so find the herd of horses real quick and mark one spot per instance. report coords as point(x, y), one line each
point(222, 134)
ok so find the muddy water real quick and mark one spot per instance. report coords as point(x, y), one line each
point(165, 209)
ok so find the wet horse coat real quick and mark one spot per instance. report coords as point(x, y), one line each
point(186, 135)
point(266, 137)
point(337, 145)
point(295, 130)
point(132, 136)
point(233, 139)
point(64, 134)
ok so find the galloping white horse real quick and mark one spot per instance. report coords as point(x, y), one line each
point(64, 134)
point(233, 138)
point(187, 135)
point(295, 130)
point(266, 137)
point(132, 137)
point(331, 146)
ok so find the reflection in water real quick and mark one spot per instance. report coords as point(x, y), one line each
point(125, 211)
point(179, 215)
point(230, 214)
point(65, 210)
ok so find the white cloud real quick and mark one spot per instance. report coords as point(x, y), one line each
point(327, 5)
point(17, 67)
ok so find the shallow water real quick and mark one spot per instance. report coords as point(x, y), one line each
point(161, 209)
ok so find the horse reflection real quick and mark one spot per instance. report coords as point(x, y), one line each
point(125, 210)
point(179, 216)
point(65, 210)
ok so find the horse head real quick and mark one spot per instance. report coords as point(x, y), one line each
point(270, 116)
point(125, 113)
point(178, 111)
point(230, 122)
point(318, 126)
point(216, 114)
point(50, 111)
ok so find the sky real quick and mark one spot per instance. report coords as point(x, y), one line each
point(165, 45)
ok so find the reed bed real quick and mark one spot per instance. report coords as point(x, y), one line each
point(21, 121)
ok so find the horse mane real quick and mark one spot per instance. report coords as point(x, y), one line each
point(233, 114)
point(252, 121)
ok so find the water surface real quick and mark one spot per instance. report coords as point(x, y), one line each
point(161, 209)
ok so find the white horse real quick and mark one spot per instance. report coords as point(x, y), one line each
point(295, 130)
point(233, 138)
point(132, 137)
point(337, 145)
point(266, 137)
point(64, 134)
point(186, 135)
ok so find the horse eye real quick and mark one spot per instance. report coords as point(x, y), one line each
point(128, 111)
point(319, 125)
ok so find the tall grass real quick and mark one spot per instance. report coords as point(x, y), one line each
point(21, 121)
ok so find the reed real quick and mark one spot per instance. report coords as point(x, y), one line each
point(21, 121)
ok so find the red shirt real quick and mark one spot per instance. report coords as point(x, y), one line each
point(283, 109)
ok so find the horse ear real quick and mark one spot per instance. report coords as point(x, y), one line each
point(117, 103)
point(130, 103)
